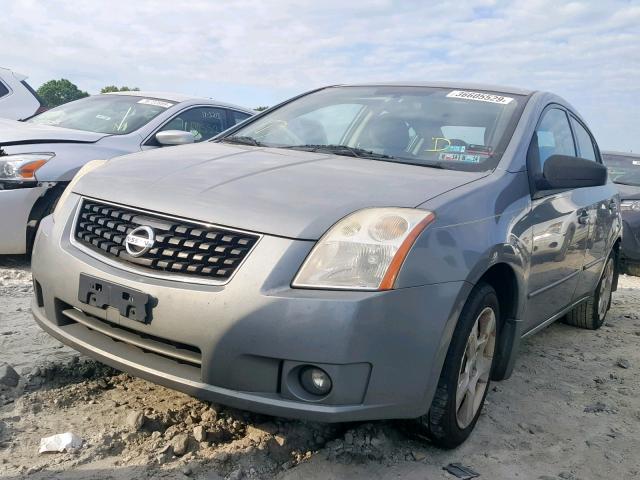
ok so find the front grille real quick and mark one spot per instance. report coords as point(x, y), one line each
point(180, 247)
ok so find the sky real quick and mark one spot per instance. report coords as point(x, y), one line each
point(260, 52)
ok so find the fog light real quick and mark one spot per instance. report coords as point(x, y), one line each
point(315, 381)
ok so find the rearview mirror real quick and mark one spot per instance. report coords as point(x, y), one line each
point(175, 137)
point(564, 171)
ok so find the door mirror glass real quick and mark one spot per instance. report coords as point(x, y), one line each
point(174, 137)
point(564, 171)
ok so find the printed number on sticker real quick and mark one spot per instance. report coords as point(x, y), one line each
point(157, 103)
point(480, 97)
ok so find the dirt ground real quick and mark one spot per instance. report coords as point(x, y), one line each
point(570, 411)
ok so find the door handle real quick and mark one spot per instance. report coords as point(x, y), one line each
point(583, 217)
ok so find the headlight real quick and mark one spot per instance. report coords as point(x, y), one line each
point(364, 250)
point(22, 167)
point(630, 205)
point(87, 167)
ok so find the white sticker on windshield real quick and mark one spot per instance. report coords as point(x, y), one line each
point(636, 162)
point(157, 103)
point(480, 97)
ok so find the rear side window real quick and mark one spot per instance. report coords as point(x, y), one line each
point(3, 90)
point(584, 141)
point(552, 137)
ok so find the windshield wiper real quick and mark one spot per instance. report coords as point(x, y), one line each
point(242, 140)
point(341, 150)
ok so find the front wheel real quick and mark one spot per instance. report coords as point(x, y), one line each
point(464, 380)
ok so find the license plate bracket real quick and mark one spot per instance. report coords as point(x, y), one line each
point(131, 303)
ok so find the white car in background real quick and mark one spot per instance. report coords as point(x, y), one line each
point(18, 101)
point(40, 156)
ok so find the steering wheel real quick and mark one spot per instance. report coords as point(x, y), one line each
point(457, 142)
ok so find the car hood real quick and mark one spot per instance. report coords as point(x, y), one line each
point(281, 192)
point(19, 133)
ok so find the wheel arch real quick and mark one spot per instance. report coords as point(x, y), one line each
point(508, 285)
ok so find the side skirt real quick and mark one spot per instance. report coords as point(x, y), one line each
point(557, 316)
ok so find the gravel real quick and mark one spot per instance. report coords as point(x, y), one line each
point(571, 408)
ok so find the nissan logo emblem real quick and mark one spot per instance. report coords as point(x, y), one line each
point(139, 241)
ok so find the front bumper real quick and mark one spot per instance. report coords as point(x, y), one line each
point(383, 350)
point(16, 205)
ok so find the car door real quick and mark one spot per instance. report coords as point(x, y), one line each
point(603, 211)
point(560, 224)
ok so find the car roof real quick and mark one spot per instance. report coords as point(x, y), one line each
point(179, 98)
point(20, 77)
point(452, 85)
point(621, 154)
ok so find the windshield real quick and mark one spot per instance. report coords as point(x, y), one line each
point(440, 127)
point(623, 169)
point(110, 114)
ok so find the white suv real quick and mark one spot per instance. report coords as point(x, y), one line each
point(18, 100)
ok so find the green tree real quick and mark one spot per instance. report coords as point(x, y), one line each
point(57, 92)
point(261, 108)
point(113, 88)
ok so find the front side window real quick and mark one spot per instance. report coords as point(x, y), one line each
point(202, 122)
point(238, 117)
point(3, 90)
point(552, 137)
point(583, 139)
point(110, 114)
point(427, 126)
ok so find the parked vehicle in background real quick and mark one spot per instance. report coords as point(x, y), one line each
point(624, 170)
point(39, 157)
point(18, 100)
point(359, 252)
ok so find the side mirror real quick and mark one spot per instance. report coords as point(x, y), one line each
point(563, 171)
point(174, 137)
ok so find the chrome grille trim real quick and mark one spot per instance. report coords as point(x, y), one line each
point(147, 272)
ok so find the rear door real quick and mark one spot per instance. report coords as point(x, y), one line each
point(560, 225)
point(602, 214)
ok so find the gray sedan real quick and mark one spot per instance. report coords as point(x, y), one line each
point(39, 157)
point(359, 252)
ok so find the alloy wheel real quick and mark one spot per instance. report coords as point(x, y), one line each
point(475, 368)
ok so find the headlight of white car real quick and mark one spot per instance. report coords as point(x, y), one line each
point(87, 167)
point(22, 167)
point(364, 250)
point(630, 205)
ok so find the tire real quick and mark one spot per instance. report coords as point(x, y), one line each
point(591, 314)
point(446, 424)
point(631, 269)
